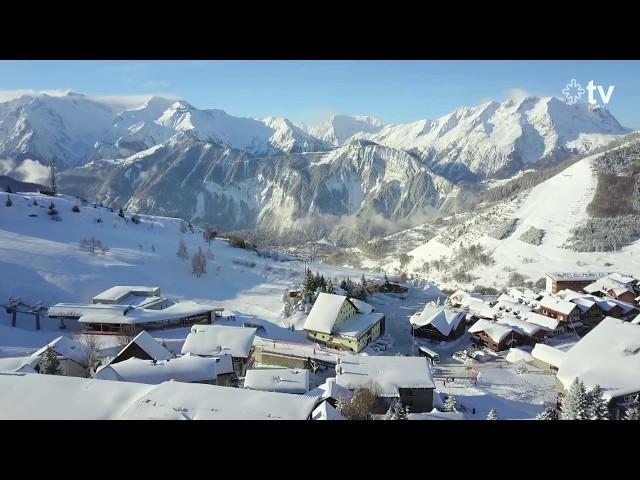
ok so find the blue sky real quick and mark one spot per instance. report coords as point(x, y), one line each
point(395, 91)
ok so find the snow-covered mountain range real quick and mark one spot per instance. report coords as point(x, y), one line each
point(167, 157)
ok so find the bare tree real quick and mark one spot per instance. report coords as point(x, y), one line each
point(362, 404)
point(209, 234)
point(199, 263)
point(91, 353)
point(93, 246)
point(125, 339)
point(182, 253)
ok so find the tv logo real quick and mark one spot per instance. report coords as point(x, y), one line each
point(573, 91)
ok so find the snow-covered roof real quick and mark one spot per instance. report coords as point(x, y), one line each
point(283, 380)
point(624, 306)
point(74, 398)
point(542, 320)
point(330, 389)
point(482, 310)
point(150, 346)
point(516, 355)
point(557, 305)
point(357, 324)
point(548, 354)
point(339, 291)
point(609, 355)
point(80, 309)
point(576, 276)
point(188, 368)
point(443, 319)
point(16, 364)
point(391, 373)
point(142, 315)
point(636, 321)
point(120, 292)
point(324, 313)
point(211, 340)
point(495, 331)
point(431, 291)
point(67, 348)
point(325, 411)
point(362, 307)
point(436, 415)
point(520, 326)
point(624, 279)
point(509, 306)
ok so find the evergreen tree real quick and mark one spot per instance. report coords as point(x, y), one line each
point(598, 405)
point(632, 413)
point(400, 411)
point(52, 209)
point(121, 213)
point(49, 363)
point(343, 284)
point(492, 415)
point(8, 203)
point(549, 413)
point(34, 202)
point(576, 403)
point(386, 279)
point(309, 282)
point(182, 253)
point(8, 189)
point(329, 286)
point(451, 404)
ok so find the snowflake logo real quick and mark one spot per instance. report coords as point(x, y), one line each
point(573, 91)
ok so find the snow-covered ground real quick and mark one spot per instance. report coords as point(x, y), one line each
point(555, 206)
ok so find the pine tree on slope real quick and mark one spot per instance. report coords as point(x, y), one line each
point(451, 404)
point(492, 415)
point(632, 413)
point(549, 413)
point(599, 406)
point(182, 251)
point(576, 403)
point(49, 363)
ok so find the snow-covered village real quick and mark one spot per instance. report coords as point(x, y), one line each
point(164, 262)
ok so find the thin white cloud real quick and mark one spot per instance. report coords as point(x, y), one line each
point(126, 101)
point(155, 84)
point(517, 94)
point(7, 95)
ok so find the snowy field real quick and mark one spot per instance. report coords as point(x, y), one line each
point(555, 206)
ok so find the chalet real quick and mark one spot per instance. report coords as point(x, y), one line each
point(283, 380)
point(557, 281)
point(552, 325)
point(516, 355)
point(126, 310)
point(438, 323)
point(73, 356)
point(460, 298)
point(561, 309)
point(69, 398)
point(609, 356)
point(217, 340)
point(188, 368)
point(493, 335)
point(343, 323)
point(547, 357)
point(528, 332)
point(590, 311)
point(143, 347)
point(378, 286)
point(405, 378)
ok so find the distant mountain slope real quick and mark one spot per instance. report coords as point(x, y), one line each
point(502, 138)
point(338, 129)
point(530, 233)
point(315, 194)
